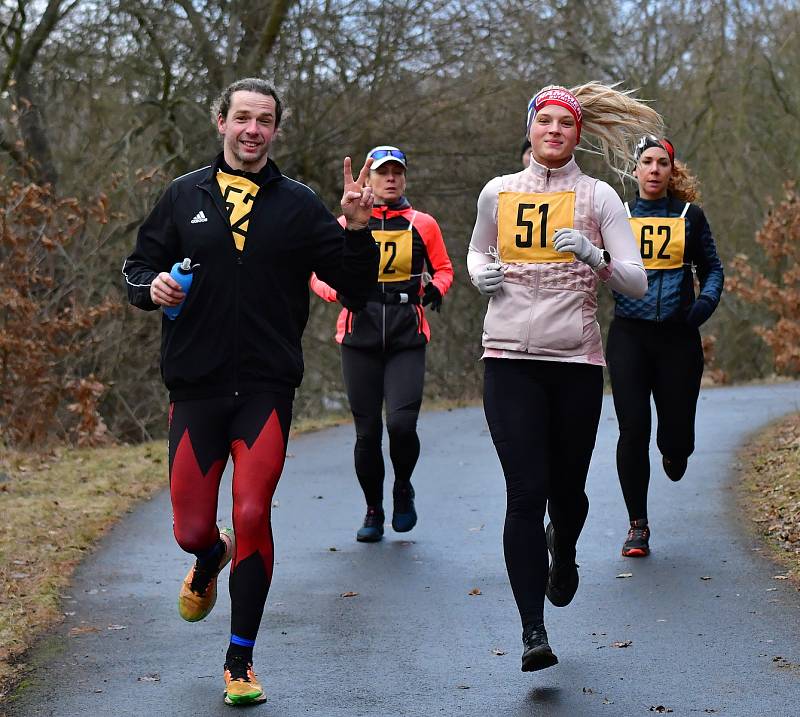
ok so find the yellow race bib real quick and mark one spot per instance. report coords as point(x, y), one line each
point(238, 194)
point(662, 241)
point(526, 224)
point(395, 247)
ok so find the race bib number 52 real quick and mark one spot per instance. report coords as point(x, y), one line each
point(526, 224)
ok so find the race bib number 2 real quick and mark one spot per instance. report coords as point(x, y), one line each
point(395, 254)
point(526, 223)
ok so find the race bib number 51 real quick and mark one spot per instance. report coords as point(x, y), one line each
point(527, 222)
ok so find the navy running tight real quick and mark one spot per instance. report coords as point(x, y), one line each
point(543, 418)
point(372, 378)
point(665, 360)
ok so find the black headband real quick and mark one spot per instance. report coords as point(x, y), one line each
point(649, 141)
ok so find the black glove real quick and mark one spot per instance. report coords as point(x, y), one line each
point(700, 312)
point(351, 304)
point(432, 296)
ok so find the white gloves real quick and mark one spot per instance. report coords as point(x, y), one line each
point(489, 279)
point(572, 240)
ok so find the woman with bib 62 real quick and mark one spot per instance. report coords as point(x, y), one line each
point(543, 240)
point(654, 344)
point(383, 344)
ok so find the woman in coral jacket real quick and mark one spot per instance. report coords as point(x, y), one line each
point(544, 238)
point(654, 344)
point(383, 343)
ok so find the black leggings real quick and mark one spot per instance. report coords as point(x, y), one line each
point(370, 378)
point(543, 417)
point(202, 434)
point(665, 359)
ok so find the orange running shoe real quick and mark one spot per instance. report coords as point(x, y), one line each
point(241, 683)
point(199, 590)
point(637, 544)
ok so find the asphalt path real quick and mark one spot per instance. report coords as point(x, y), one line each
point(708, 628)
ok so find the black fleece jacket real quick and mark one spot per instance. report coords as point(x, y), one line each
point(240, 326)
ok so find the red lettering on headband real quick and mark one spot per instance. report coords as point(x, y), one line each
point(563, 98)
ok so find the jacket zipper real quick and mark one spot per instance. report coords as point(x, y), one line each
point(383, 291)
point(547, 181)
point(236, 284)
point(658, 296)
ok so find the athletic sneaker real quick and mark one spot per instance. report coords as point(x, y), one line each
point(372, 530)
point(241, 683)
point(638, 543)
point(674, 467)
point(199, 590)
point(562, 579)
point(404, 517)
point(536, 651)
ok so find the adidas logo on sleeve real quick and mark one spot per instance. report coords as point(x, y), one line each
point(199, 218)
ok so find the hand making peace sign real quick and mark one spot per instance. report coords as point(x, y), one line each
point(357, 199)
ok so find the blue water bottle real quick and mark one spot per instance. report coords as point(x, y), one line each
point(182, 273)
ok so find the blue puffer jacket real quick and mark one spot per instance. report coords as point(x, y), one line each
point(670, 292)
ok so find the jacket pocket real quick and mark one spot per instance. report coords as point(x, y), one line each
point(508, 317)
point(557, 320)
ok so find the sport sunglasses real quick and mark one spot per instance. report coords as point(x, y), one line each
point(381, 153)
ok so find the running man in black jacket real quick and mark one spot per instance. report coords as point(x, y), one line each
point(232, 358)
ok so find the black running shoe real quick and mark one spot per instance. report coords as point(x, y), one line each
point(404, 517)
point(637, 544)
point(372, 530)
point(674, 467)
point(536, 652)
point(562, 580)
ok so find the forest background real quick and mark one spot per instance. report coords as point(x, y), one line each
point(103, 103)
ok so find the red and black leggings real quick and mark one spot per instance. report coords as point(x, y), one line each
point(203, 433)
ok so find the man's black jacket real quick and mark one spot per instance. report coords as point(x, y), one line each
point(240, 327)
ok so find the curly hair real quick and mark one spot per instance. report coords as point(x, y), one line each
point(683, 184)
point(615, 119)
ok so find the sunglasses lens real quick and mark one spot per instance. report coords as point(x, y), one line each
point(381, 153)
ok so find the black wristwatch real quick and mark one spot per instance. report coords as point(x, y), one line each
point(605, 260)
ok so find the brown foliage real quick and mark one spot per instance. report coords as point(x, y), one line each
point(779, 237)
point(45, 320)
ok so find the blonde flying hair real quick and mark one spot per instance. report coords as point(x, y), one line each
point(615, 119)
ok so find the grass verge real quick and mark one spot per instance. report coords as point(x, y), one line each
point(769, 491)
point(55, 505)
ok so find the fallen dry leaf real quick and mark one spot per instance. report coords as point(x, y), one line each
point(117, 627)
point(475, 591)
point(83, 630)
point(475, 530)
point(150, 677)
point(660, 709)
point(623, 643)
point(349, 593)
point(780, 577)
point(706, 577)
point(462, 687)
point(497, 652)
point(625, 575)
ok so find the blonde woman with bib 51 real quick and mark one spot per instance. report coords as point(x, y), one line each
point(544, 239)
